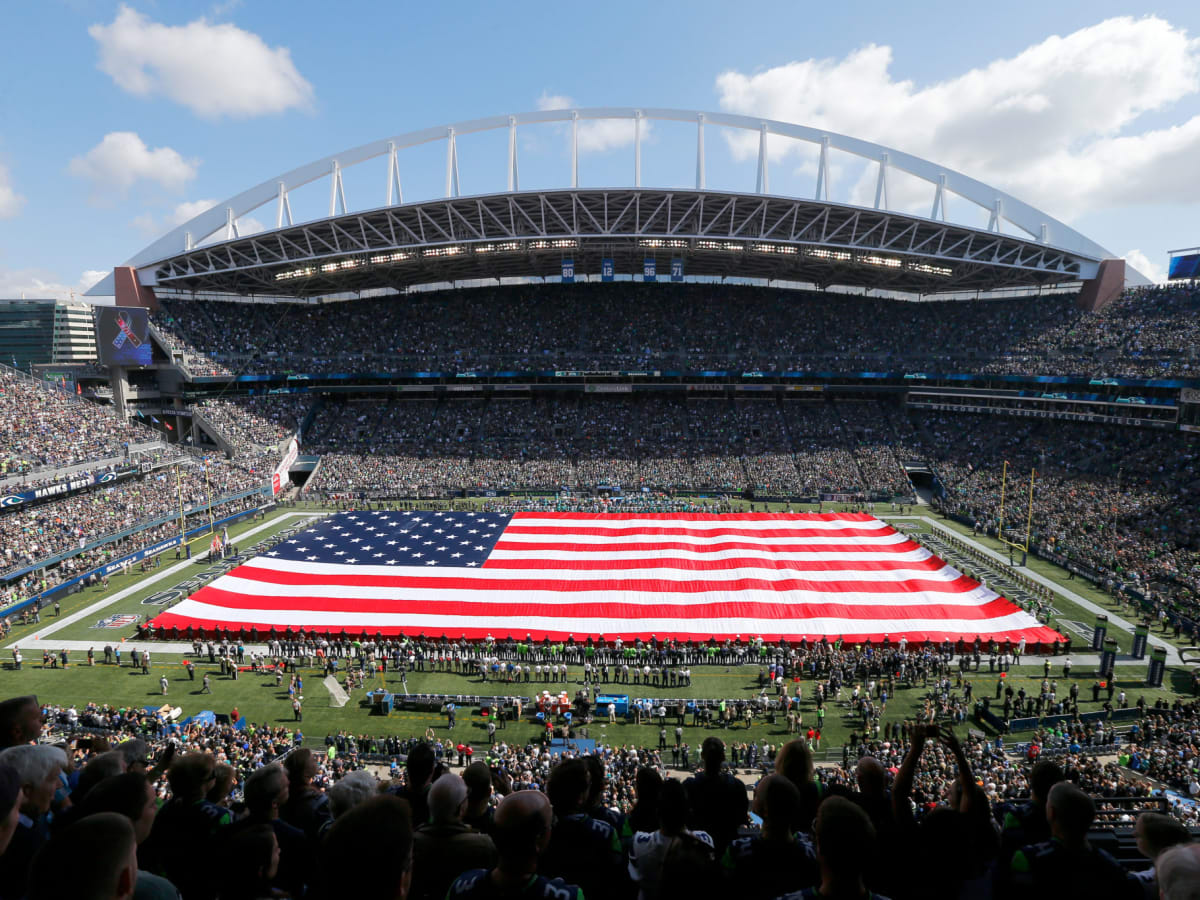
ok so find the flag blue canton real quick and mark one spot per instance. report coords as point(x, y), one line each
point(391, 538)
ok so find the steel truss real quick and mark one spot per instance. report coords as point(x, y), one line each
point(529, 234)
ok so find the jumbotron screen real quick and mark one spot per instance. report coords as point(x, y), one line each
point(123, 336)
point(1185, 266)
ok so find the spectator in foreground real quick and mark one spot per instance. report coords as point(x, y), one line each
point(649, 850)
point(480, 813)
point(795, 763)
point(583, 850)
point(20, 721)
point(187, 825)
point(249, 864)
point(719, 802)
point(132, 796)
point(304, 807)
point(646, 815)
point(10, 805)
point(1026, 823)
point(1156, 833)
point(266, 791)
point(776, 860)
point(418, 769)
point(523, 829)
point(1179, 873)
point(368, 851)
point(101, 849)
point(445, 846)
point(355, 788)
point(1067, 865)
point(845, 844)
point(37, 767)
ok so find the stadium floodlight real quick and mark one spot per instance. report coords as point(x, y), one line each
point(385, 258)
point(448, 250)
point(782, 249)
point(836, 255)
point(660, 244)
point(557, 244)
point(886, 262)
point(294, 273)
point(502, 247)
point(929, 269)
point(721, 246)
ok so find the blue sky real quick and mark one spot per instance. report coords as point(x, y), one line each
point(117, 121)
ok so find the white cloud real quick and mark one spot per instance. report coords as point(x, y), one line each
point(152, 225)
point(10, 201)
point(122, 158)
point(1056, 125)
point(554, 101)
point(38, 284)
point(597, 135)
point(213, 69)
point(1156, 272)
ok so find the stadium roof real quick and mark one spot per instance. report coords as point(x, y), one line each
point(524, 233)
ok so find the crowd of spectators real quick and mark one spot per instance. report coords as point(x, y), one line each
point(254, 424)
point(405, 447)
point(45, 428)
point(46, 433)
point(1118, 503)
point(1148, 332)
point(146, 807)
point(144, 509)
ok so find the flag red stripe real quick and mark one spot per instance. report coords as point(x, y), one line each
point(713, 547)
point(696, 517)
point(699, 532)
point(504, 627)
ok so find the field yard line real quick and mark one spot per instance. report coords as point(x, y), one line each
point(133, 588)
point(1172, 653)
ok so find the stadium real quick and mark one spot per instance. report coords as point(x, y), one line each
point(594, 465)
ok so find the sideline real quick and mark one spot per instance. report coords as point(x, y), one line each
point(103, 603)
point(1172, 653)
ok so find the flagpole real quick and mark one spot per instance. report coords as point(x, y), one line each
point(212, 528)
point(179, 491)
point(1029, 521)
point(1003, 483)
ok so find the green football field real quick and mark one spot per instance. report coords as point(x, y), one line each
point(258, 698)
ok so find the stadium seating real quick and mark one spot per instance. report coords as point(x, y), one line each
point(1147, 333)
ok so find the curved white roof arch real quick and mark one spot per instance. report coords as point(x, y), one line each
point(1001, 206)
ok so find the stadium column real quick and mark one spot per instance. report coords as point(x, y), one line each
point(1141, 637)
point(119, 382)
point(1108, 658)
point(1157, 668)
point(1107, 284)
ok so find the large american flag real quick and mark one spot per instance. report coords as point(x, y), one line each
point(556, 574)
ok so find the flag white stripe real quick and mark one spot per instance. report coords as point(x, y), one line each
point(316, 569)
point(433, 622)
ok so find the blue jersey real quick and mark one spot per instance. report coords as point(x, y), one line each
point(478, 885)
